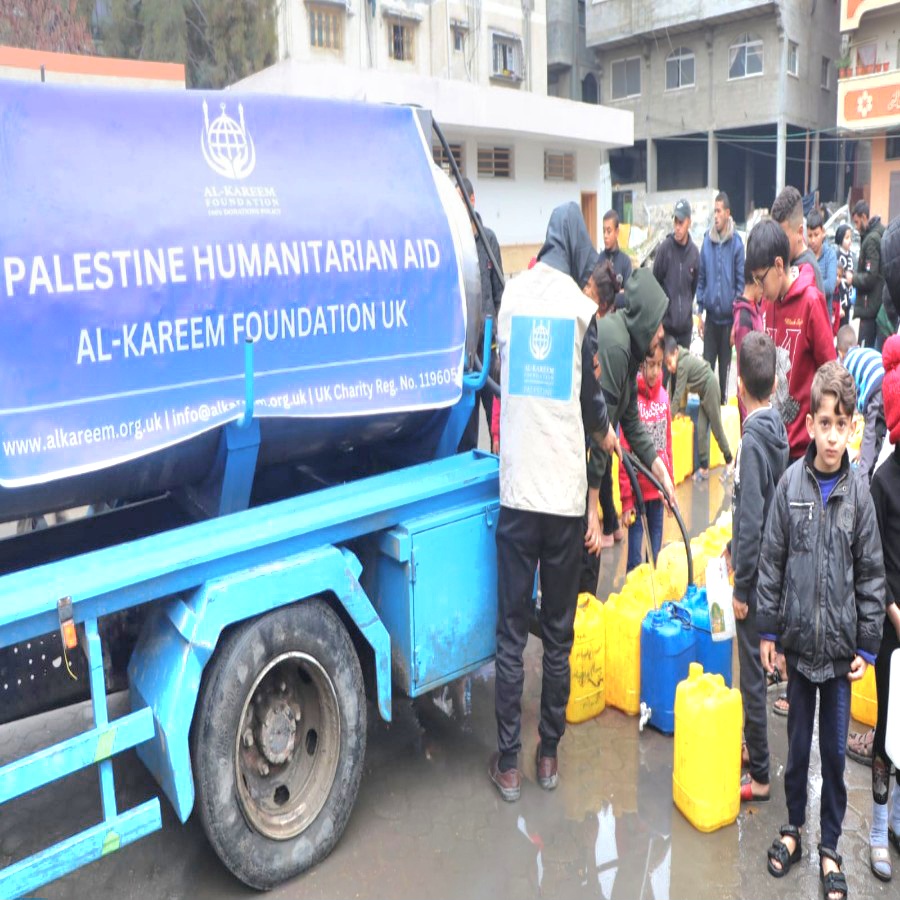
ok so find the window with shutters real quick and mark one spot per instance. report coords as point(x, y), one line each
point(400, 40)
point(559, 166)
point(506, 57)
point(441, 158)
point(495, 162)
point(326, 27)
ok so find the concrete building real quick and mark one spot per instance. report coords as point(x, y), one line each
point(868, 101)
point(736, 96)
point(571, 67)
point(481, 68)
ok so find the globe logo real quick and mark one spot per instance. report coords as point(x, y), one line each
point(227, 147)
point(539, 343)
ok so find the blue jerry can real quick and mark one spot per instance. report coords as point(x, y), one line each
point(714, 656)
point(667, 651)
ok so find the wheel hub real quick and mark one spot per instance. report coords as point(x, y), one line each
point(277, 732)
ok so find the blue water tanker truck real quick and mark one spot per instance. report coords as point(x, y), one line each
point(241, 338)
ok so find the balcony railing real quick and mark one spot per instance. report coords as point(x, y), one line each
point(854, 71)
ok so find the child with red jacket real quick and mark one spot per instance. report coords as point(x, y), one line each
point(653, 407)
point(796, 320)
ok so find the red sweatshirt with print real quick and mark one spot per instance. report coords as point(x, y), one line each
point(801, 330)
point(653, 408)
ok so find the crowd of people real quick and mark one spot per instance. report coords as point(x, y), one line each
point(593, 358)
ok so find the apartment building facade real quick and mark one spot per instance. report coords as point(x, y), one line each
point(868, 99)
point(480, 66)
point(736, 96)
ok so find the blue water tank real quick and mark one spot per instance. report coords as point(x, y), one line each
point(714, 656)
point(667, 651)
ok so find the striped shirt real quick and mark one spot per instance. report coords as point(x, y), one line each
point(867, 369)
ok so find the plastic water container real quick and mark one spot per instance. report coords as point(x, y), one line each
point(667, 650)
point(624, 614)
point(682, 448)
point(587, 661)
point(706, 781)
point(863, 699)
point(672, 560)
point(714, 656)
point(649, 585)
point(700, 557)
point(731, 424)
point(892, 737)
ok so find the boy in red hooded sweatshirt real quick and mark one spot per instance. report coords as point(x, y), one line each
point(796, 320)
point(655, 413)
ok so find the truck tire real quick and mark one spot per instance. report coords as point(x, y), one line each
point(278, 742)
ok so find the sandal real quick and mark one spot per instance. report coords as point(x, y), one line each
point(781, 706)
point(833, 882)
point(779, 853)
point(860, 746)
point(747, 795)
point(880, 863)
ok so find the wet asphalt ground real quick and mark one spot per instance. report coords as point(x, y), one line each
point(428, 822)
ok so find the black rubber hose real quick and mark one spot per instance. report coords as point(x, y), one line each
point(637, 464)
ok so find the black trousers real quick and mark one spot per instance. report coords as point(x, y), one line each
point(525, 539)
point(717, 347)
point(607, 503)
point(834, 718)
point(868, 333)
point(889, 644)
point(753, 695)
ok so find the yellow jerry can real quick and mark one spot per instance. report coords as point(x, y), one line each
point(587, 661)
point(731, 424)
point(672, 560)
point(624, 614)
point(706, 781)
point(863, 699)
point(699, 557)
point(682, 448)
point(643, 580)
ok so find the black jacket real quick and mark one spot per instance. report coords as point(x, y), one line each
point(621, 263)
point(762, 457)
point(677, 269)
point(491, 278)
point(821, 572)
point(868, 279)
point(886, 498)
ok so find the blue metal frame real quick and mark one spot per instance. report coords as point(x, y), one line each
point(216, 573)
point(93, 747)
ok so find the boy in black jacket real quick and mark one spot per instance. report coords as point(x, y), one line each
point(821, 594)
point(762, 458)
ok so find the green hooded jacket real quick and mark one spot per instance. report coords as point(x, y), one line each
point(693, 375)
point(623, 339)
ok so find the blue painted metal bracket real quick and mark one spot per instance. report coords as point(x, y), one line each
point(167, 665)
point(462, 412)
point(76, 753)
point(26, 876)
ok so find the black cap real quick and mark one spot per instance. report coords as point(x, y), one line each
point(682, 210)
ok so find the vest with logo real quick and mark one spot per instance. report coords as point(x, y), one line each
point(543, 320)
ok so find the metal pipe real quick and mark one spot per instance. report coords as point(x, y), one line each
point(247, 418)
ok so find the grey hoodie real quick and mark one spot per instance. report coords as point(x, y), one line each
point(762, 458)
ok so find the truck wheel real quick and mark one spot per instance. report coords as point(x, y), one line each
point(278, 742)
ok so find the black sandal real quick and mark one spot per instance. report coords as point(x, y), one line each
point(833, 882)
point(778, 852)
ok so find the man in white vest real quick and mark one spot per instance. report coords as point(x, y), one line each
point(550, 399)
